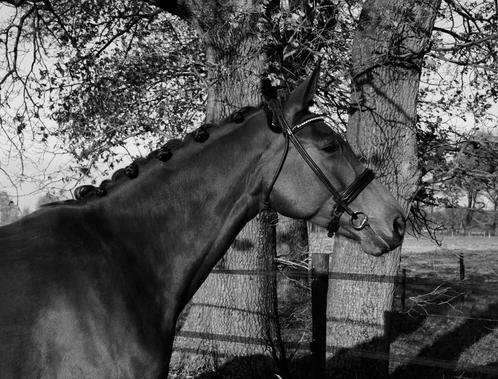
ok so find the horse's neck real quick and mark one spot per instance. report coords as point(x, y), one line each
point(179, 217)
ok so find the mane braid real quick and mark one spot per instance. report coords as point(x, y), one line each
point(240, 115)
point(164, 153)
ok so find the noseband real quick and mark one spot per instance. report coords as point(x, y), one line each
point(358, 220)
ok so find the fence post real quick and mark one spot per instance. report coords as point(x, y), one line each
point(319, 288)
point(403, 290)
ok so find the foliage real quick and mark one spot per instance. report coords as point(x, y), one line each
point(462, 66)
point(121, 74)
point(455, 220)
point(456, 99)
point(297, 36)
point(126, 73)
point(148, 91)
point(458, 172)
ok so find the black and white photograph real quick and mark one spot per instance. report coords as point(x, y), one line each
point(248, 189)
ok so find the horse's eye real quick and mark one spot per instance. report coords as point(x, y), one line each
point(330, 148)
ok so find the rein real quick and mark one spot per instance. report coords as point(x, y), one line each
point(358, 220)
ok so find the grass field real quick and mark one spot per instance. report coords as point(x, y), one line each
point(423, 258)
point(458, 326)
point(448, 327)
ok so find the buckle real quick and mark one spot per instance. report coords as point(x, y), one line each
point(336, 214)
point(358, 220)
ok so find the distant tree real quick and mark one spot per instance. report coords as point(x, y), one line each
point(9, 211)
point(473, 176)
point(491, 192)
point(456, 95)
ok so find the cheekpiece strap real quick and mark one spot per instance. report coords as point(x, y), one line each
point(358, 185)
point(347, 196)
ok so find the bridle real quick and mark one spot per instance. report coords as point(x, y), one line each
point(358, 220)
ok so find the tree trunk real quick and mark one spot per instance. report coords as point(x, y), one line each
point(292, 234)
point(292, 237)
point(469, 211)
point(387, 52)
point(495, 216)
point(237, 309)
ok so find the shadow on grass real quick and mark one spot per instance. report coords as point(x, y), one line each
point(261, 367)
point(366, 361)
point(369, 360)
point(438, 360)
point(448, 349)
point(248, 367)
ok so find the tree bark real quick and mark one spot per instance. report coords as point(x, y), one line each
point(237, 309)
point(388, 48)
point(495, 216)
point(292, 234)
point(292, 237)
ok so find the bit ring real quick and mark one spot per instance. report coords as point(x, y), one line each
point(358, 220)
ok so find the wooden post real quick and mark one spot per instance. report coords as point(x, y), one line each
point(403, 290)
point(319, 288)
point(462, 266)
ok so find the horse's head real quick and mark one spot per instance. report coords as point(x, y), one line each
point(339, 192)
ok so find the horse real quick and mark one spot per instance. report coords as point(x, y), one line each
point(92, 287)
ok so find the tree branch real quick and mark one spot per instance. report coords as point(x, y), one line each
point(468, 44)
point(12, 67)
point(49, 7)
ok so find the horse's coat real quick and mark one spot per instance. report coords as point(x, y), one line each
point(92, 288)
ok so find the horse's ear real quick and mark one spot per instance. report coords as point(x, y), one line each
point(301, 98)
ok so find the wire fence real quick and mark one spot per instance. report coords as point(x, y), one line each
point(413, 302)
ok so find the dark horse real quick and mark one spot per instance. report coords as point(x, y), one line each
point(92, 287)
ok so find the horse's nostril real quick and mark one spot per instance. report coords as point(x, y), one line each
point(399, 226)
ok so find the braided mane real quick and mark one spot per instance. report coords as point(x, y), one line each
point(164, 153)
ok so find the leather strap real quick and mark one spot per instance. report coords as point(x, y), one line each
point(342, 199)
